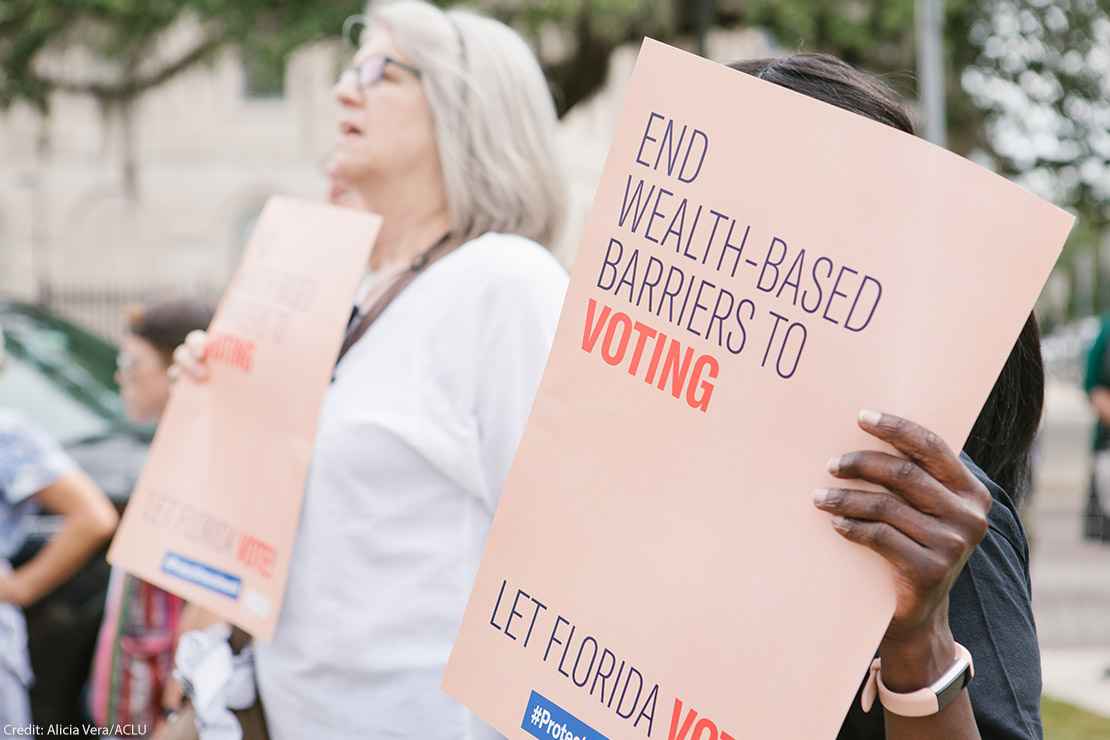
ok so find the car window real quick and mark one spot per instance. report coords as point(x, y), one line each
point(25, 389)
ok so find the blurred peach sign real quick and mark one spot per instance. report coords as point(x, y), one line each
point(215, 511)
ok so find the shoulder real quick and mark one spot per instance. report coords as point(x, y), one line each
point(29, 459)
point(1004, 519)
point(1099, 339)
point(1098, 344)
point(505, 271)
point(507, 259)
point(17, 433)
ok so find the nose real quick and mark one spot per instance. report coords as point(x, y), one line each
point(346, 89)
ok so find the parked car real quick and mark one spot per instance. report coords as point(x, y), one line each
point(61, 377)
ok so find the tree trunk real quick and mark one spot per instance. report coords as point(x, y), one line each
point(128, 162)
point(40, 264)
point(1072, 309)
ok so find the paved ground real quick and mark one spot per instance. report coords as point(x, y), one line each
point(1071, 578)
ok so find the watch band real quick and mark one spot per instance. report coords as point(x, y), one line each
point(923, 702)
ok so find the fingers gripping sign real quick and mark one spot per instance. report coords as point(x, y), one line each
point(189, 359)
point(926, 520)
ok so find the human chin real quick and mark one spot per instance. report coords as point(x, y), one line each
point(351, 164)
point(135, 411)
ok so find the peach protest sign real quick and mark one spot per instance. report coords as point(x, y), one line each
point(216, 508)
point(757, 267)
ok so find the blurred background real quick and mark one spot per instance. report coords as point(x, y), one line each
point(139, 140)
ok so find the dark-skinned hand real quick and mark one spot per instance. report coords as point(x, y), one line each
point(926, 522)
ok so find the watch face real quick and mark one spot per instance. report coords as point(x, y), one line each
point(947, 695)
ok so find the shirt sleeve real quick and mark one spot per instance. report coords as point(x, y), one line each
point(521, 312)
point(1092, 377)
point(30, 460)
point(991, 614)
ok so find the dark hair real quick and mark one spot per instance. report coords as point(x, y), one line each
point(1002, 437)
point(166, 324)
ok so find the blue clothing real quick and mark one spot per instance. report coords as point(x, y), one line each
point(29, 462)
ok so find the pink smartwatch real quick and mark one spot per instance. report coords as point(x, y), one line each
point(923, 702)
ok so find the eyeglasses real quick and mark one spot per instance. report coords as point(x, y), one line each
point(370, 70)
point(128, 364)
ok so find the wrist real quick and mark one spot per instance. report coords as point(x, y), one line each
point(14, 590)
point(917, 659)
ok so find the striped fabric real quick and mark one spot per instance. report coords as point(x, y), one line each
point(134, 652)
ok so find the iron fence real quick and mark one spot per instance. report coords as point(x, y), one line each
point(102, 309)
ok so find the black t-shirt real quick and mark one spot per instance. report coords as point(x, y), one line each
point(990, 612)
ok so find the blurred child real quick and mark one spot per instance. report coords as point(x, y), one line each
point(132, 668)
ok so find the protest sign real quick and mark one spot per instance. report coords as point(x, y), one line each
point(758, 266)
point(215, 511)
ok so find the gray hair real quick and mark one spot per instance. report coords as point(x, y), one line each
point(494, 118)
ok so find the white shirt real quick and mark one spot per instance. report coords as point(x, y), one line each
point(415, 439)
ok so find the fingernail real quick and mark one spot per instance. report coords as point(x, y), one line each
point(820, 496)
point(833, 465)
point(840, 523)
point(870, 418)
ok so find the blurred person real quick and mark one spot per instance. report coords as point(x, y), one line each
point(131, 682)
point(446, 129)
point(946, 522)
point(35, 471)
point(1096, 382)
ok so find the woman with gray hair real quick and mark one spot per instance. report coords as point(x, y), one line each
point(446, 129)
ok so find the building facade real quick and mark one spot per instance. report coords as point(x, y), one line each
point(207, 151)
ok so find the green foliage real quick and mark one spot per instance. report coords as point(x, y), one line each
point(121, 35)
point(1042, 79)
point(877, 35)
point(1028, 87)
point(1027, 79)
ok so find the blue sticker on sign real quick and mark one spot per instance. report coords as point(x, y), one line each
point(546, 719)
point(202, 575)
